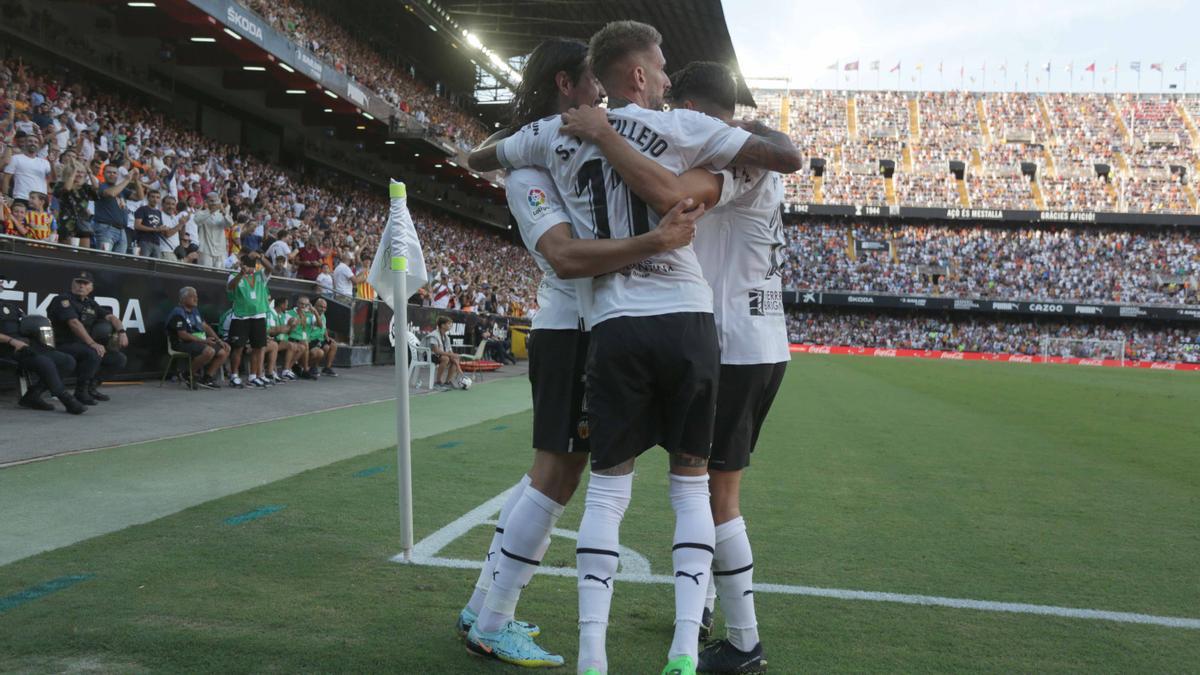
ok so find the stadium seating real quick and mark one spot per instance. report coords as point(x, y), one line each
point(330, 40)
point(956, 332)
point(462, 257)
point(1147, 143)
point(1089, 264)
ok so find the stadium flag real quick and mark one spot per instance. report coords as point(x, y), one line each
point(1156, 66)
point(1135, 66)
point(875, 65)
point(832, 66)
point(399, 263)
point(1181, 68)
point(894, 68)
point(853, 65)
point(1091, 68)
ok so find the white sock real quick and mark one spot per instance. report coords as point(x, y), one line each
point(489, 564)
point(596, 557)
point(692, 555)
point(710, 597)
point(733, 569)
point(525, 540)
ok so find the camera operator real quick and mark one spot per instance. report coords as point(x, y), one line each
point(77, 318)
point(248, 292)
point(24, 339)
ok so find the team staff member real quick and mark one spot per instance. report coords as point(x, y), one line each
point(319, 338)
point(33, 356)
point(280, 322)
point(247, 290)
point(73, 316)
point(191, 334)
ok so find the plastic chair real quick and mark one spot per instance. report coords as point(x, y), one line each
point(472, 358)
point(422, 358)
point(172, 357)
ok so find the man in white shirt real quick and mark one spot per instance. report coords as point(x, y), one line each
point(280, 253)
point(344, 277)
point(644, 386)
point(27, 172)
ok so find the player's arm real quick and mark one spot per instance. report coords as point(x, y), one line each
point(651, 181)
point(767, 149)
point(575, 258)
point(483, 158)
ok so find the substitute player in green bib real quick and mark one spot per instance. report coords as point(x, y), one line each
point(247, 291)
point(306, 320)
point(280, 322)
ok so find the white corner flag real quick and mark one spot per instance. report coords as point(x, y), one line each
point(399, 265)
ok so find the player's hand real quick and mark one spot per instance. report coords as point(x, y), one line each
point(586, 122)
point(99, 349)
point(678, 227)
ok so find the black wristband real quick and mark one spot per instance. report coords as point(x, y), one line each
point(120, 332)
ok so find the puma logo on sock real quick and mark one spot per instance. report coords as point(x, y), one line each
point(593, 577)
point(694, 577)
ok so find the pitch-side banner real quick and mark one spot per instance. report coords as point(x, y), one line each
point(986, 356)
point(1057, 308)
point(999, 215)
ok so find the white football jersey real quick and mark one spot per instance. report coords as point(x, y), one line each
point(601, 206)
point(537, 207)
point(739, 244)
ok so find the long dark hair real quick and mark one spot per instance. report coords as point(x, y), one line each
point(537, 93)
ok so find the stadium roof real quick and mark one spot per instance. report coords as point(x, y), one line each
point(693, 30)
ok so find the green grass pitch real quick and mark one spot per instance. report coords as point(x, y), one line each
point(1049, 485)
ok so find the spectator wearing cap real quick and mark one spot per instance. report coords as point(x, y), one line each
point(187, 251)
point(191, 334)
point(83, 329)
point(27, 172)
point(211, 222)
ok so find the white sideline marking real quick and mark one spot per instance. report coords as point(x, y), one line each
point(635, 568)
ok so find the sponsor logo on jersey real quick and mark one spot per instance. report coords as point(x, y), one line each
point(766, 303)
point(538, 206)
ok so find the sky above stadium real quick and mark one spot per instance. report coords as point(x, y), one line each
point(803, 40)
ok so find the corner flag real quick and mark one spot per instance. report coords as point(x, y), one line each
point(399, 265)
point(398, 242)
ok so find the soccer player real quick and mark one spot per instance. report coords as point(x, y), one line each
point(653, 359)
point(739, 245)
point(556, 78)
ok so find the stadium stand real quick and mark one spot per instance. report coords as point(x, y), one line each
point(325, 37)
point(76, 121)
point(1144, 144)
point(1088, 264)
point(956, 333)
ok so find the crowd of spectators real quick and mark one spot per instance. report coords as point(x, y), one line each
point(86, 167)
point(1064, 135)
point(326, 37)
point(1088, 264)
point(966, 333)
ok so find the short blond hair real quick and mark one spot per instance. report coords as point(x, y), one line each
point(617, 40)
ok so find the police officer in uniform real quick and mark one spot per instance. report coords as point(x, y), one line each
point(77, 319)
point(23, 339)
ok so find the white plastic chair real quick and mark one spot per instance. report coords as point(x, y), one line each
point(422, 357)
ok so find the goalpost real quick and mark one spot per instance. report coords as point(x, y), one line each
point(1081, 348)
